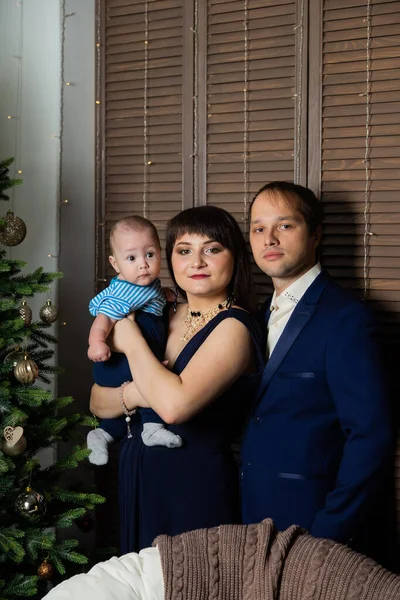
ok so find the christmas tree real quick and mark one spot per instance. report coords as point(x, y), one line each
point(33, 502)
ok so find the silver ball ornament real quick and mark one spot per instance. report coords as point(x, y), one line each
point(31, 505)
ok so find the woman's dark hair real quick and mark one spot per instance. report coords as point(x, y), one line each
point(307, 202)
point(216, 224)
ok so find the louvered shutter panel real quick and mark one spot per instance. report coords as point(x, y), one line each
point(343, 167)
point(124, 84)
point(271, 106)
point(343, 150)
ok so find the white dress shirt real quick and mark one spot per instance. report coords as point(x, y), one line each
point(283, 305)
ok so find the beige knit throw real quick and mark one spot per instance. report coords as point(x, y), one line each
point(255, 562)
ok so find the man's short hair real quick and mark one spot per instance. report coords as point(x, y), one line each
point(307, 203)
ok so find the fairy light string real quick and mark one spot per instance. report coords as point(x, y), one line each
point(246, 114)
point(367, 188)
point(60, 137)
point(146, 161)
point(299, 95)
point(18, 110)
point(195, 154)
point(100, 237)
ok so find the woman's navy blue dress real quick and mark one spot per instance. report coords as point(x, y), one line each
point(163, 490)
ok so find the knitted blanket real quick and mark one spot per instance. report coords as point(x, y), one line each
point(255, 562)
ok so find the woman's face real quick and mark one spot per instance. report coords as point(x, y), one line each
point(202, 267)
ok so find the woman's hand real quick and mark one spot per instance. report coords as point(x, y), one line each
point(124, 335)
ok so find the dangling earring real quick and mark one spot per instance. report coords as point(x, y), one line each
point(176, 292)
point(230, 301)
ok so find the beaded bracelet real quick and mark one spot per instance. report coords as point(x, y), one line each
point(125, 409)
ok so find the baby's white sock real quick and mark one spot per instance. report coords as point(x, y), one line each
point(155, 434)
point(97, 441)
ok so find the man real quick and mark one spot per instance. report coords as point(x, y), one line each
point(317, 447)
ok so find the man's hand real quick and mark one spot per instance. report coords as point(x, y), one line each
point(99, 352)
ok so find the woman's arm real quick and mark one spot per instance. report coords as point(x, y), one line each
point(105, 402)
point(225, 355)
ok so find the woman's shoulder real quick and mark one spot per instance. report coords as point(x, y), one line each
point(250, 320)
point(252, 323)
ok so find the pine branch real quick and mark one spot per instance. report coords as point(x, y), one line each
point(10, 545)
point(38, 541)
point(71, 461)
point(90, 500)
point(66, 519)
point(20, 585)
point(22, 543)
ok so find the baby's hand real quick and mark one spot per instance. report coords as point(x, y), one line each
point(99, 352)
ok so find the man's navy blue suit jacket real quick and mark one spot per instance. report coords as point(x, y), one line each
point(317, 447)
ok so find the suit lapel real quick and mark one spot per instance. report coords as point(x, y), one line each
point(298, 320)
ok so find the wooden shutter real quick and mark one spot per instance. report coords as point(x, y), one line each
point(270, 101)
point(123, 134)
point(343, 151)
point(343, 171)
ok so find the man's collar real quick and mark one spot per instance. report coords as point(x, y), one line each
point(294, 292)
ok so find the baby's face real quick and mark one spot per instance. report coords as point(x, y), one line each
point(136, 256)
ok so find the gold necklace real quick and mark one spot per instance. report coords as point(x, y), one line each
point(196, 320)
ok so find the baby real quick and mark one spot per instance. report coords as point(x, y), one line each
point(136, 258)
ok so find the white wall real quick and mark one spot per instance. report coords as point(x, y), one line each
point(32, 28)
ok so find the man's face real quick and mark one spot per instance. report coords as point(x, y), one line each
point(282, 245)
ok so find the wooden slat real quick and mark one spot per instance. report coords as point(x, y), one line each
point(347, 206)
point(271, 106)
point(351, 10)
point(124, 111)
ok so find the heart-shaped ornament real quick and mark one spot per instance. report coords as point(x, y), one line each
point(13, 434)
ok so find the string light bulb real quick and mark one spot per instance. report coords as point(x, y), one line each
point(246, 113)
point(367, 150)
point(97, 101)
point(145, 90)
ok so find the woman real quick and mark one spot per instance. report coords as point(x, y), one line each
point(214, 355)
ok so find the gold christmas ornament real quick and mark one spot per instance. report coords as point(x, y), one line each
point(48, 313)
point(13, 434)
point(13, 231)
point(26, 313)
point(31, 505)
point(13, 445)
point(14, 442)
point(14, 357)
point(46, 571)
point(26, 371)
